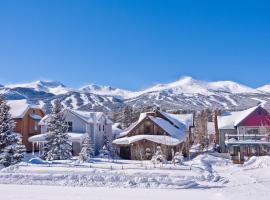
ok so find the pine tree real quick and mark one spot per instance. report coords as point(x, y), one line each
point(87, 149)
point(58, 145)
point(20, 150)
point(127, 116)
point(106, 150)
point(10, 147)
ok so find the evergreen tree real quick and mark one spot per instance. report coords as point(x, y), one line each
point(104, 152)
point(107, 150)
point(20, 150)
point(58, 145)
point(127, 116)
point(87, 149)
point(10, 147)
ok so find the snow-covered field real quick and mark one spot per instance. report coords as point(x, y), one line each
point(205, 177)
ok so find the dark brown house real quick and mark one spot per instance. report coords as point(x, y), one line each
point(26, 117)
point(153, 129)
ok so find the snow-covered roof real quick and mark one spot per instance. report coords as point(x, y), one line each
point(35, 117)
point(160, 139)
point(133, 125)
point(179, 119)
point(74, 137)
point(177, 128)
point(116, 130)
point(18, 108)
point(179, 133)
point(229, 120)
point(88, 117)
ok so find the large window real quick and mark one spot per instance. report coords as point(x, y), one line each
point(70, 126)
point(36, 126)
point(252, 131)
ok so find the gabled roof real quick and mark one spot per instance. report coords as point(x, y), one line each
point(179, 119)
point(18, 108)
point(88, 117)
point(175, 125)
point(178, 133)
point(229, 120)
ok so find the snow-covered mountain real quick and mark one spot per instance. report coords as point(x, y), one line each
point(188, 85)
point(107, 91)
point(53, 87)
point(265, 88)
point(186, 93)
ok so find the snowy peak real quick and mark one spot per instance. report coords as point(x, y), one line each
point(188, 85)
point(53, 87)
point(231, 87)
point(265, 88)
point(106, 91)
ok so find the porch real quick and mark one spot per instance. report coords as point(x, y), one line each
point(38, 142)
point(247, 145)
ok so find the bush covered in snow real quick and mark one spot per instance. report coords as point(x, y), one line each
point(159, 157)
point(178, 158)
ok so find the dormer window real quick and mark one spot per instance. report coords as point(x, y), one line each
point(36, 126)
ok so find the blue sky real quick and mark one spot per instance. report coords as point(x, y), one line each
point(134, 44)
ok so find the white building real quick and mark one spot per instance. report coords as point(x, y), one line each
point(81, 124)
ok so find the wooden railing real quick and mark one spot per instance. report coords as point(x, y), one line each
point(256, 138)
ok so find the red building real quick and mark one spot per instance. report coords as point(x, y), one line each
point(244, 133)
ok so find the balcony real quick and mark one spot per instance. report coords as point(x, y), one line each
point(248, 139)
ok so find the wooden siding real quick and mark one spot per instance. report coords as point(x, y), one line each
point(136, 151)
point(26, 126)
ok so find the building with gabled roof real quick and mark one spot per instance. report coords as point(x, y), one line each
point(244, 133)
point(157, 128)
point(27, 118)
point(81, 124)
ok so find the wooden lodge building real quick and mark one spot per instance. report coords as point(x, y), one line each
point(26, 118)
point(157, 128)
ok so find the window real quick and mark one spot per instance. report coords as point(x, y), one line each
point(36, 126)
point(252, 131)
point(147, 130)
point(70, 126)
point(103, 128)
point(99, 127)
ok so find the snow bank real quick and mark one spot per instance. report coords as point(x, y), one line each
point(96, 178)
point(122, 174)
point(257, 162)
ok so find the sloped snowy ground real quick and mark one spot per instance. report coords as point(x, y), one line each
point(204, 177)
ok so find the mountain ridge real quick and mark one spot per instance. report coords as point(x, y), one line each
point(186, 93)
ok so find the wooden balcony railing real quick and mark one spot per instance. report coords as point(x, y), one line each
point(247, 138)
